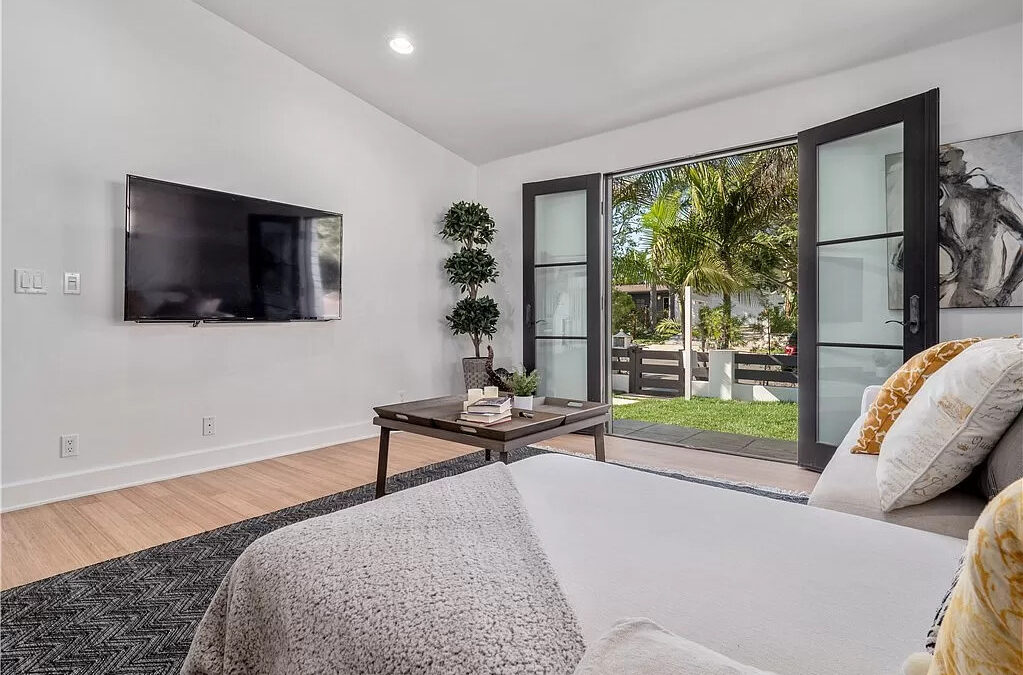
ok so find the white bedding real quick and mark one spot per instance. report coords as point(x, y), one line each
point(779, 586)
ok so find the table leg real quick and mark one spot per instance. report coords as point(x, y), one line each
point(487, 454)
point(385, 435)
point(504, 456)
point(598, 442)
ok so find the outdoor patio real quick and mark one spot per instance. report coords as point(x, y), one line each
point(719, 441)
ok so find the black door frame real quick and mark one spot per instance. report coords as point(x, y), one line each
point(919, 117)
point(593, 185)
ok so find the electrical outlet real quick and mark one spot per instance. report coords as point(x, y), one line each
point(209, 426)
point(69, 445)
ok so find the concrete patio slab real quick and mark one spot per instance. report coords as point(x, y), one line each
point(717, 441)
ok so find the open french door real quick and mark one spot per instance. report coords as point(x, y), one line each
point(868, 256)
point(563, 321)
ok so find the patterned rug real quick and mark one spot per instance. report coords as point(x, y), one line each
point(137, 614)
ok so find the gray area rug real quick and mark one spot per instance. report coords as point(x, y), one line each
point(137, 614)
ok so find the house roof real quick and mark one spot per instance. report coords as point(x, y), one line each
point(639, 288)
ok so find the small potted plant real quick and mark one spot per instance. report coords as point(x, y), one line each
point(522, 386)
point(469, 268)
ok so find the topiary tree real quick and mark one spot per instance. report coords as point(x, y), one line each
point(470, 225)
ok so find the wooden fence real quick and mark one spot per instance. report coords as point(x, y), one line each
point(659, 372)
point(776, 370)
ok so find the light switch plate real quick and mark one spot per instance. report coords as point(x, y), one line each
point(29, 281)
point(72, 283)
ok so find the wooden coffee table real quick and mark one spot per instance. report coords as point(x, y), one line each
point(439, 418)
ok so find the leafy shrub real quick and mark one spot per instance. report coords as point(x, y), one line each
point(470, 224)
point(521, 383)
point(668, 328)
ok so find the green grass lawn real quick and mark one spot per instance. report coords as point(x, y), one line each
point(767, 420)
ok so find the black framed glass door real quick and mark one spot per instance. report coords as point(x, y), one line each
point(561, 279)
point(868, 281)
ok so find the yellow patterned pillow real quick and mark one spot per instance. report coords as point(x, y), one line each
point(901, 387)
point(982, 631)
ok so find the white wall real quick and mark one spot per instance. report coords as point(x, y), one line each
point(981, 81)
point(100, 88)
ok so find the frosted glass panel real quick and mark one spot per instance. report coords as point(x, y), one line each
point(859, 185)
point(561, 227)
point(562, 364)
point(859, 289)
point(842, 374)
point(561, 300)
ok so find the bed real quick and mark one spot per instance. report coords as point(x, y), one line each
point(780, 586)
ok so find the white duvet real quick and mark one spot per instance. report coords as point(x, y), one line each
point(783, 587)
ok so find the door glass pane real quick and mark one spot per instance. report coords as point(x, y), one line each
point(859, 288)
point(561, 300)
point(561, 227)
point(842, 374)
point(859, 185)
point(562, 365)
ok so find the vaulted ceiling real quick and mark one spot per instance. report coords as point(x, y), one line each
point(489, 79)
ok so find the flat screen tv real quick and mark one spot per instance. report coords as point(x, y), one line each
point(199, 255)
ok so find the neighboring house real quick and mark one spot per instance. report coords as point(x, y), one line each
point(667, 305)
point(670, 305)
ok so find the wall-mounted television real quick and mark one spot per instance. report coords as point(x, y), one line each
point(199, 255)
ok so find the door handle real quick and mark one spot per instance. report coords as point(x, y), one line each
point(914, 314)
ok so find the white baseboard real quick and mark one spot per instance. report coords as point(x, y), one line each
point(27, 493)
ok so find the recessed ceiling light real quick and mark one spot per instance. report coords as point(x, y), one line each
point(401, 44)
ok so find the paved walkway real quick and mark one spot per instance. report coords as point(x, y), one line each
point(719, 441)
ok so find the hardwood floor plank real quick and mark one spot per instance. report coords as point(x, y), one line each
point(41, 541)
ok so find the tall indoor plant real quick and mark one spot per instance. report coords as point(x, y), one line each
point(471, 266)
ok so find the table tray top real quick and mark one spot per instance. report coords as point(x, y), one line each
point(443, 413)
point(519, 425)
point(420, 412)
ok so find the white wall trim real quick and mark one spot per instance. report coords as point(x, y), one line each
point(24, 494)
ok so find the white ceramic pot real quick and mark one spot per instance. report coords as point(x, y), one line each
point(522, 402)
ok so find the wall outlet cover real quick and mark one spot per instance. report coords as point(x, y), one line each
point(72, 283)
point(209, 426)
point(69, 445)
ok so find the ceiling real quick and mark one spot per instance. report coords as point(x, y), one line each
point(492, 79)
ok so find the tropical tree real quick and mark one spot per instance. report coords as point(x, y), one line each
point(727, 233)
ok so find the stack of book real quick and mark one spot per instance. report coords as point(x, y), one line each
point(487, 411)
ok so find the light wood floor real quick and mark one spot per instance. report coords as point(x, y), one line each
point(45, 540)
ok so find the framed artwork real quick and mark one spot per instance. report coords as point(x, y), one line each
point(981, 221)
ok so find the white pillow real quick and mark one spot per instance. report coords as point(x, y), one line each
point(641, 647)
point(952, 423)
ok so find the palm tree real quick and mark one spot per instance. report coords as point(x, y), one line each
point(723, 236)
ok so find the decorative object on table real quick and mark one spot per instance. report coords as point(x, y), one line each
point(488, 410)
point(981, 220)
point(496, 376)
point(491, 392)
point(523, 386)
point(469, 268)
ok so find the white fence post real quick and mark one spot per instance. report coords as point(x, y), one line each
point(721, 365)
point(687, 356)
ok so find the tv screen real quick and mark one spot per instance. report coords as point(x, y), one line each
point(199, 255)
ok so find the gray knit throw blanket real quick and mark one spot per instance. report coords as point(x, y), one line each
point(448, 577)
